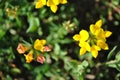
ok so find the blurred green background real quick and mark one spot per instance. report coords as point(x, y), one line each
point(19, 20)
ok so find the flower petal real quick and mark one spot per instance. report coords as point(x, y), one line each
point(39, 44)
point(56, 2)
point(63, 1)
point(108, 33)
point(85, 45)
point(40, 59)
point(100, 34)
point(21, 49)
point(102, 44)
point(92, 28)
point(76, 37)
point(53, 8)
point(97, 47)
point(43, 42)
point(29, 57)
point(94, 51)
point(84, 35)
point(98, 24)
point(39, 5)
point(46, 49)
point(43, 2)
point(82, 51)
point(50, 3)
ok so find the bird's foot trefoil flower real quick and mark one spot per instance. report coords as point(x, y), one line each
point(53, 4)
point(93, 40)
point(35, 51)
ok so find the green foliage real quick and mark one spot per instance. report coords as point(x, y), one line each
point(115, 63)
point(21, 22)
point(33, 24)
point(111, 53)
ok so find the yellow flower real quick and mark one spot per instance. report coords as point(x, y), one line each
point(77, 37)
point(102, 44)
point(40, 3)
point(56, 2)
point(50, 3)
point(100, 34)
point(93, 41)
point(53, 8)
point(53, 5)
point(29, 57)
point(82, 50)
point(84, 47)
point(96, 27)
point(98, 31)
point(39, 44)
point(107, 33)
point(82, 36)
point(63, 1)
point(94, 51)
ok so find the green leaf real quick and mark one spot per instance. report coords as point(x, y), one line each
point(33, 24)
point(111, 53)
point(11, 55)
point(2, 33)
point(70, 65)
point(19, 22)
point(115, 2)
point(118, 66)
point(39, 77)
point(82, 66)
point(40, 32)
point(65, 41)
point(117, 76)
point(84, 63)
point(74, 63)
point(117, 57)
point(80, 77)
point(8, 77)
point(26, 43)
point(115, 65)
point(15, 70)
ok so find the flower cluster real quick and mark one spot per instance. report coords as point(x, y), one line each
point(94, 40)
point(34, 51)
point(50, 3)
